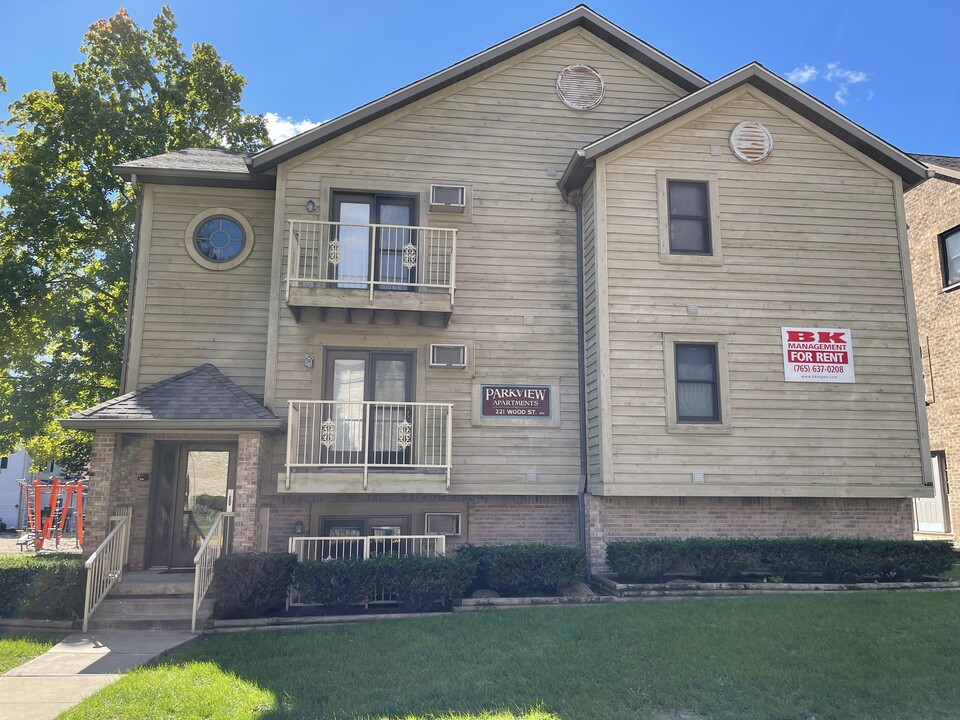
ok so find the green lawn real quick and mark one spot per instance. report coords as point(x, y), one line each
point(871, 656)
point(17, 649)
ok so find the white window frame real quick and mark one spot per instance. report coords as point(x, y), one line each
point(670, 341)
point(663, 209)
point(443, 366)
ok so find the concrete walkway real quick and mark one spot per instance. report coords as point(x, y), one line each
point(77, 667)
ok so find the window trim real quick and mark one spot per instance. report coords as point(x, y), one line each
point(208, 214)
point(713, 217)
point(944, 262)
point(724, 425)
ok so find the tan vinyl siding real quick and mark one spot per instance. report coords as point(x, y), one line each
point(192, 315)
point(810, 238)
point(498, 133)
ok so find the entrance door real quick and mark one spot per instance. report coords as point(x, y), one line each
point(193, 483)
point(386, 380)
point(931, 513)
point(358, 211)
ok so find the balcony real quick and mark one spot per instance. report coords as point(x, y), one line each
point(335, 446)
point(370, 267)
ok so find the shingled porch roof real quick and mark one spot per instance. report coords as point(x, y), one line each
point(200, 399)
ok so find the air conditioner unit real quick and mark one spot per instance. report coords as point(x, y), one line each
point(448, 198)
point(441, 523)
point(448, 356)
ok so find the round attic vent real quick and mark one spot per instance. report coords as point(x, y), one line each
point(751, 141)
point(580, 87)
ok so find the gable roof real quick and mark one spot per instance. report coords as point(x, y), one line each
point(581, 16)
point(584, 160)
point(200, 399)
point(945, 165)
point(223, 168)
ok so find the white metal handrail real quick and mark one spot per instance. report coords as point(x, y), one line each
point(105, 564)
point(371, 256)
point(213, 546)
point(366, 434)
point(363, 547)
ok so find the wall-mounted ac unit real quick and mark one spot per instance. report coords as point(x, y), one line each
point(448, 198)
point(448, 356)
point(441, 523)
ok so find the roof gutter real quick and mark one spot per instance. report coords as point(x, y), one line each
point(151, 425)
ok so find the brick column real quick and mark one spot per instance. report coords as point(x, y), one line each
point(246, 497)
point(96, 508)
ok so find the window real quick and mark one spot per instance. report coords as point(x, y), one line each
point(393, 243)
point(3, 462)
point(950, 257)
point(219, 239)
point(696, 383)
point(689, 210)
point(698, 398)
point(689, 219)
point(353, 378)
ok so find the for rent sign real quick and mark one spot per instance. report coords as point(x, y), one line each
point(817, 355)
point(515, 400)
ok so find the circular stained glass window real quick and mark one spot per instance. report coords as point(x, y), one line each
point(220, 239)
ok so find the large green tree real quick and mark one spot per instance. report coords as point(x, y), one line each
point(67, 222)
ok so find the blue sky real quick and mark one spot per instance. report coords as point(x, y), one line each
point(880, 64)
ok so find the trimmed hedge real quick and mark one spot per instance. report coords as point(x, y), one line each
point(336, 584)
point(793, 559)
point(252, 585)
point(419, 583)
point(42, 587)
point(526, 570)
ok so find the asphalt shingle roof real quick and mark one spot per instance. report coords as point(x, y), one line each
point(203, 393)
point(944, 161)
point(196, 159)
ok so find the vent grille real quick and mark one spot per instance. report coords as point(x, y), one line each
point(751, 141)
point(580, 87)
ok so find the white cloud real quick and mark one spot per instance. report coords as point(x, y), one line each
point(281, 128)
point(835, 73)
point(802, 74)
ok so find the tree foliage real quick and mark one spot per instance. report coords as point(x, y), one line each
point(66, 224)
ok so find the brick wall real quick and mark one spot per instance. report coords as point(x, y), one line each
point(640, 518)
point(100, 490)
point(250, 455)
point(932, 208)
point(500, 520)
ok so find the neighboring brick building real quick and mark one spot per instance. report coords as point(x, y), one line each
point(933, 218)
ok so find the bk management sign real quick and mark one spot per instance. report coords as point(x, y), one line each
point(817, 355)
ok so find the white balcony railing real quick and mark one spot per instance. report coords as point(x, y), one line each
point(328, 434)
point(363, 547)
point(371, 257)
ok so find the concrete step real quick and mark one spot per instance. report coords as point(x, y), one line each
point(133, 605)
point(150, 582)
point(156, 622)
point(149, 613)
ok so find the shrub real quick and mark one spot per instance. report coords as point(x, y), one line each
point(531, 569)
point(719, 559)
point(252, 585)
point(336, 584)
point(793, 559)
point(420, 583)
point(47, 587)
point(644, 560)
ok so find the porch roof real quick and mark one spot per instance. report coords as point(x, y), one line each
point(200, 399)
